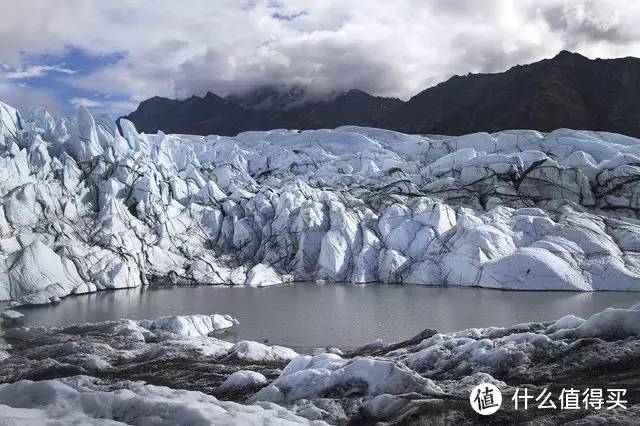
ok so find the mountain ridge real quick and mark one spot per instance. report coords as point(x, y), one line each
point(568, 90)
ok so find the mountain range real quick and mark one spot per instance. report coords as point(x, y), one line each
point(568, 90)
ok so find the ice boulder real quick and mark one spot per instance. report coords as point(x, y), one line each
point(10, 315)
point(608, 324)
point(262, 275)
point(328, 374)
point(532, 268)
point(243, 379)
point(190, 325)
point(254, 351)
point(38, 271)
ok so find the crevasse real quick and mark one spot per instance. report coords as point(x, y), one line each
point(88, 205)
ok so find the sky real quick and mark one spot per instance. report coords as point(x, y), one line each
point(110, 55)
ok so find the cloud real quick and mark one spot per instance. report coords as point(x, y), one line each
point(387, 48)
point(89, 103)
point(112, 107)
point(288, 17)
point(34, 71)
point(24, 97)
point(591, 21)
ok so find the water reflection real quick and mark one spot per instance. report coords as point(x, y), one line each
point(344, 315)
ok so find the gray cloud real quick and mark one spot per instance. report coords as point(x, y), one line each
point(593, 22)
point(387, 48)
point(23, 97)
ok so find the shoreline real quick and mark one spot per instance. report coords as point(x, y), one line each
point(381, 382)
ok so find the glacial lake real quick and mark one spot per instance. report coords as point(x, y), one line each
point(306, 315)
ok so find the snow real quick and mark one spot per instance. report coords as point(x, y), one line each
point(85, 400)
point(87, 208)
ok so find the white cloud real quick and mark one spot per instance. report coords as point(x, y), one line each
point(389, 48)
point(89, 103)
point(115, 108)
point(37, 71)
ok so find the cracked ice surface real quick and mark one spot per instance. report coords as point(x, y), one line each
point(86, 206)
point(116, 370)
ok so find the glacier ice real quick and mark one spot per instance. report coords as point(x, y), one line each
point(89, 206)
point(243, 379)
point(85, 400)
point(116, 370)
point(10, 315)
point(254, 351)
point(327, 374)
point(191, 325)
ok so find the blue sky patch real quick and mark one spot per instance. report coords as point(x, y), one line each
point(51, 72)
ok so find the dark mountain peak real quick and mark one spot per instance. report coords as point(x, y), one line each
point(356, 92)
point(569, 54)
point(262, 108)
point(357, 95)
point(568, 90)
point(154, 100)
point(566, 57)
point(194, 114)
point(354, 107)
point(280, 97)
point(454, 78)
point(210, 97)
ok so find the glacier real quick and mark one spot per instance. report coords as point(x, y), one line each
point(89, 205)
point(125, 371)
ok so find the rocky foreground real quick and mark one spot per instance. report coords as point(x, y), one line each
point(88, 206)
point(174, 370)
